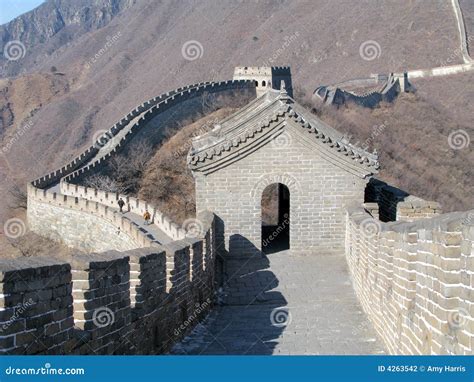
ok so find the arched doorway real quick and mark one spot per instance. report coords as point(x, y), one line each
point(275, 207)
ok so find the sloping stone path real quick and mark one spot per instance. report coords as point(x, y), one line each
point(285, 303)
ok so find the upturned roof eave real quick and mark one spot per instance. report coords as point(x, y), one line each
point(354, 156)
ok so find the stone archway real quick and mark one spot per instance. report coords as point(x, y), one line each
point(275, 218)
point(294, 188)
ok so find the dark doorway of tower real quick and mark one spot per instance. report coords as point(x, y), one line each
point(275, 207)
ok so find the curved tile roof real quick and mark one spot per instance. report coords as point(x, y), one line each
point(247, 125)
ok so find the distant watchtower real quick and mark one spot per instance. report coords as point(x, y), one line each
point(265, 77)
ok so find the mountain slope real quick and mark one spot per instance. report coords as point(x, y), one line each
point(135, 52)
point(50, 28)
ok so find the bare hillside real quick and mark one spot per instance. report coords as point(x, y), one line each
point(48, 29)
point(422, 139)
point(23, 96)
point(121, 53)
point(167, 181)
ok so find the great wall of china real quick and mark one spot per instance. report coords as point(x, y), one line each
point(147, 295)
point(412, 275)
point(385, 88)
point(141, 289)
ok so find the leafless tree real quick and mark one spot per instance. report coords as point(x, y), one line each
point(19, 197)
point(104, 183)
point(129, 167)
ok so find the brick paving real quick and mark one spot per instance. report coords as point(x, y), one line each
point(285, 303)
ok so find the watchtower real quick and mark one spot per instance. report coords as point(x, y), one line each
point(265, 77)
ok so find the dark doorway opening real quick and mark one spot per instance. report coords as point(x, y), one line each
point(275, 205)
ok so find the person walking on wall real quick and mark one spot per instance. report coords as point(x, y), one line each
point(121, 203)
point(147, 217)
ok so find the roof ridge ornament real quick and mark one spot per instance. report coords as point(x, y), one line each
point(283, 93)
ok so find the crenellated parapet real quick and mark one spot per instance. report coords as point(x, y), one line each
point(139, 301)
point(414, 280)
point(141, 293)
point(59, 205)
point(88, 154)
point(36, 308)
point(135, 205)
point(76, 220)
point(391, 86)
point(395, 204)
point(134, 120)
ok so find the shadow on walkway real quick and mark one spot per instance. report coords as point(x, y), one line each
point(249, 318)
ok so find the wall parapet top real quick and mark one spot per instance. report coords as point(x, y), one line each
point(412, 280)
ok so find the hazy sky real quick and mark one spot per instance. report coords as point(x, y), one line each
point(9, 9)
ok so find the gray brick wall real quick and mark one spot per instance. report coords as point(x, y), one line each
point(139, 301)
point(414, 280)
point(319, 193)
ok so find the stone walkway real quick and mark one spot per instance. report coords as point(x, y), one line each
point(285, 304)
point(156, 232)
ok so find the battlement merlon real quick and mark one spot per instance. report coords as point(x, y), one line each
point(266, 77)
